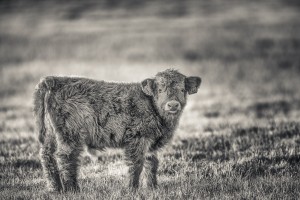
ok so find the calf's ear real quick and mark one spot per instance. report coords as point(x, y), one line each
point(147, 86)
point(192, 84)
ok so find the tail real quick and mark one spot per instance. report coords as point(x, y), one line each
point(41, 90)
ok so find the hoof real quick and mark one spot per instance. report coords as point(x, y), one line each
point(71, 188)
point(54, 189)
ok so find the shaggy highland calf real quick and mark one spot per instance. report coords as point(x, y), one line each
point(138, 117)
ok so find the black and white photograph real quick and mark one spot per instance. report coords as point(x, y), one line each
point(160, 99)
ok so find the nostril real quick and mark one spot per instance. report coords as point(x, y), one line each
point(173, 105)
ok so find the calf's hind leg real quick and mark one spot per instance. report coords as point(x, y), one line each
point(68, 160)
point(49, 163)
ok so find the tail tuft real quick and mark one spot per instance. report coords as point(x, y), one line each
point(42, 88)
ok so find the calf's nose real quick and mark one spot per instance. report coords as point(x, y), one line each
point(173, 105)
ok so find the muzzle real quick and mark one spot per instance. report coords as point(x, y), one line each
point(172, 107)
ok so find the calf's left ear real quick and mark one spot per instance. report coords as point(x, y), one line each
point(192, 84)
point(147, 86)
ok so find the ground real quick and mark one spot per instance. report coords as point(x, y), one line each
point(239, 137)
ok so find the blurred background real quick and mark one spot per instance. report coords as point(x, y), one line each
point(243, 122)
point(247, 52)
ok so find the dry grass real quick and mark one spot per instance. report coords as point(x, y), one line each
point(239, 136)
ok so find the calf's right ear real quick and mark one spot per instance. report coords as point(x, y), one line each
point(147, 86)
point(192, 84)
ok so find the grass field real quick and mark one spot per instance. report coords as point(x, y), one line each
point(239, 137)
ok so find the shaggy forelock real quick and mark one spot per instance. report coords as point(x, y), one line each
point(171, 75)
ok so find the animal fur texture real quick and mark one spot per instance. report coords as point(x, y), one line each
point(138, 117)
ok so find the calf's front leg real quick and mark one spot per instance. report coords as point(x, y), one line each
point(151, 166)
point(134, 154)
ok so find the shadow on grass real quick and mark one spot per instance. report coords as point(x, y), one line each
point(17, 187)
point(103, 159)
point(22, 163)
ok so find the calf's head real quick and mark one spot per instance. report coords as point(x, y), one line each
point(169, 91)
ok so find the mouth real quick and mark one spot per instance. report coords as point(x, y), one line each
point(173, 112)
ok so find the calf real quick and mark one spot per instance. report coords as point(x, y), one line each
point(138, 117)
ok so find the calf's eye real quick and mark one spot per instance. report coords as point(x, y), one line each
point(182, 90)
point(160, 90)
